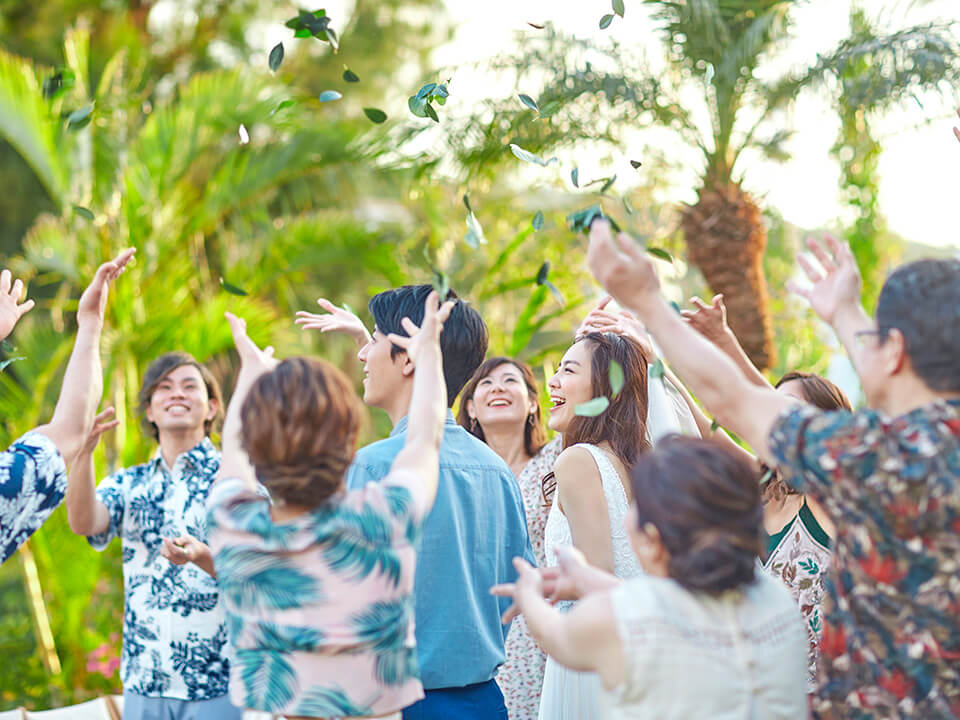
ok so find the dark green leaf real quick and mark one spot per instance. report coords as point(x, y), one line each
point(375, 115)
point(332, 38)
point(575, 177)
point(276, 57)
point(656, 370)
point(535, 26)
point(4, 363)
point(529, 157)
point(441, 93)
point(543, 272)
point(714, 426)
point(605, 21)
point(329, 96)
point(538, 220)
point(303, 33)
point(660, 253)
point(417, 105)
point(283, 105)
point(529, 102)
point(592, 408)
point(618, 7)
point(232, 289)
point(616, 377)
point(627, 206)
point(83, 212)
point(350, 76)
point(466, 202)
point(426, 90)
point(79, 118)
point(431, 113)
point(676, 307)
point(581, 220)
point(635, 164)
point(608, 184)
point(6, 346)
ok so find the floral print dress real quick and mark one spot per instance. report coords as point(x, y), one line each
point(521, 676)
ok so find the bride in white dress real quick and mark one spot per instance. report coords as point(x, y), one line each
point(589, 485)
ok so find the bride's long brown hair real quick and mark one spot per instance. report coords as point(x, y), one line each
point(623, 425)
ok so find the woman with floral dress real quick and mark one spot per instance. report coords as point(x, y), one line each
point(499, 405)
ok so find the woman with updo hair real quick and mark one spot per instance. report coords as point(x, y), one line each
point(704, 632)
point(318, 585)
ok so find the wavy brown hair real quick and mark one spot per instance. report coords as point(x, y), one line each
point(623, 425)
point(534, 436)
point(705, 503)
point(819, 392)
point(300, 427)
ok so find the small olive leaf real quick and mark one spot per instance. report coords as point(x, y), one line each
point(555, 291)
point(581, 220)
point(417, 105)
point(529, 102)
point(7, 346)
point(466, 202)
point(627, 206)
point(535, 26)
point(3, 365)
point(635, 164)
point(575, 177)
point(549, 108)
point(660, 253)
point(276, 57)
point(543, 272)
point(592, 408)
point(83, 212)
point(52, 85)
point(333, 39)
point(350, 76)
point(232, 289)
point(529, 157)
point(475, 236)
point(538, 221)
point(676, 307)
point(431, 113)
point(441, 93)
point(656, 370)
point(441, 283)
point(303, 33)
point(283, 105)
point(714, 426)
point(425, 91)
point(605, 21)
point(329, 96)
point(608, 184)
point(79, 118)
point(616, 377)
point(375, 115)
point(618, 7)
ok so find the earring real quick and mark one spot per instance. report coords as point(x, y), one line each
point(473, 424)
point(531, 420)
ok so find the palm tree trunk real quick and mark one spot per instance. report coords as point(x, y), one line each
point(726, 238)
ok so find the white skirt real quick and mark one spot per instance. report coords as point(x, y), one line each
point(571, 695)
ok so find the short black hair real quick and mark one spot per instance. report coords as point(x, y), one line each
point(463, 341)
point(155, 374)
point(922, 301)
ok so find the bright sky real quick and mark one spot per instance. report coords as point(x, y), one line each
point(921, 159)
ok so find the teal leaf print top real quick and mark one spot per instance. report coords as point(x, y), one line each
point(320, 608)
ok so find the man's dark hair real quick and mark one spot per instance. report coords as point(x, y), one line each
point(155, 374)
point(463, 340)
point(922, 301)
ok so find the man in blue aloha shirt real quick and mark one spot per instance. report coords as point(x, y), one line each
point(33, 474)
point(175, 658)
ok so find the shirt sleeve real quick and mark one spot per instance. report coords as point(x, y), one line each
point(816, 450)
point(233, 507)
point(33, 482)
point(112, 494)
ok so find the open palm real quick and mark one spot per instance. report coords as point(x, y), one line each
point(11, 309)
point(836, 284)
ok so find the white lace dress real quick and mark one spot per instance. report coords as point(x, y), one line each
point(567, 694)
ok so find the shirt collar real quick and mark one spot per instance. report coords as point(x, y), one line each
point(401, 427)
point(197, 454)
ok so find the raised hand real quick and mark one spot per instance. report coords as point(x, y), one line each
point(621, 266)
point(337, 320)
point(253, 361)
point(93, 302)
point(835, 285)
point(428, 334)
point(709, 320)
point(101, 424)
point(11, 309)
point(623, 323)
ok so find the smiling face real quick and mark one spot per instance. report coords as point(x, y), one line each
point(501, 399)
point(180, 402)
point(383, 375)
point(570, 385)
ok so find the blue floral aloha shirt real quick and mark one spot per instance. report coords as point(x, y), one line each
point(891, 636)
point(33, 482)
point(174, 631)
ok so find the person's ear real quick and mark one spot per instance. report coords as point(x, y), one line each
point(471, 410)
point(894, 352)
point(213, 408)
point(407, 366)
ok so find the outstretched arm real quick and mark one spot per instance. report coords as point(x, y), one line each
point(85, 514)
point(711, 322)
point(11, 309)
point(83, 380)
point(337, 320)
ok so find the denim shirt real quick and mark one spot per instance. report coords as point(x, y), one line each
point(476, 527)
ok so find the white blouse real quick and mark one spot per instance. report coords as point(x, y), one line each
point(741, 655)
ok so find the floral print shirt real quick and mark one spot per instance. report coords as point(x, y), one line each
point(320, 608)
point(33, 482)
point(891, 616)
point(174, 631)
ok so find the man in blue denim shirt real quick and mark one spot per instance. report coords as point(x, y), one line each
point(476, 527)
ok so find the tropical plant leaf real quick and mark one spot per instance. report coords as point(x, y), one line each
point(592, 408)
point(616, 377)
point(329, 702)
point(605, 23)
point(350, 76)
point(362, 545)
point(529, 157)
point(529, 102)
point(253, 580)
point(660, 253)
point(232, 289)
point(285, 638)
point(656, 370)
point(375, 115)
point(276, 57)
point(329, 96)
point(269, 679)
point(83, 212)
point(538, 221)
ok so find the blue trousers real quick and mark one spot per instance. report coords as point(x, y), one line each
point(482, 701)
point(138, 707)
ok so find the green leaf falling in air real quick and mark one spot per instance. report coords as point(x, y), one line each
point(276, 57)
point(529, 102)
point(80, 118)
point(284, 104)
point(767, 476)
point(581, 220)
point(475, 236)
point(627, 206)
point(592, 408)
point(83, 212)
point(635, 164)
point(6, 346)
point(714, 426)
point(608, 184)
point(676, 307)
point(535, 26)
point(616, 377)
point(431, 113)
point(543, 272)
point(538, 221)
point(232, 289)
point(5, 363)
point(57, 84)
point(618, 7)
point(660, 253)
point(375, 115)
point(575, 177)
point(656, 370)
point(605, 21)
point(329, 96)
point(529, 157)
point(466, 202)
point(350, 76)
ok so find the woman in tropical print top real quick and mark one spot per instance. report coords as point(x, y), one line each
point(318, 586)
